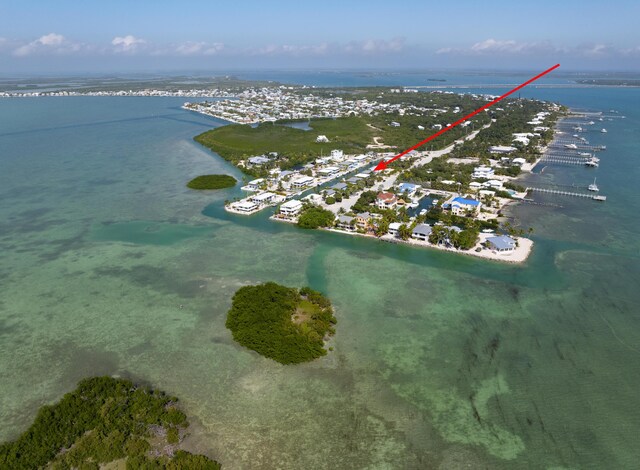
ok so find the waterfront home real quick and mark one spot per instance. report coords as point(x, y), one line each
point(339, 186)
point(502, 243)
point(495, 184)
point(408, 189)
point(482, 171)
point(245, 206)
point(329, 171)
point(394, 228)
point(259, 160)
point(421, 232)
point(353, 180)
point(519, 161)
point(302, 181)
point(502, 149)
point(253, 185)
point(364, 219)
point(462, 206)
point(386, 200)
point(291, 208)
point(475, 185)
point(346, 222)
point(264, 198)
point(362, 175)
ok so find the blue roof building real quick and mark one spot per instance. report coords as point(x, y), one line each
point(502, 243)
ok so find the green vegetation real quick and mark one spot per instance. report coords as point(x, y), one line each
point(212, 182)
point(237, 142)
point(282, 323)
point(463, 240)
point(315, 217)
point(103, 420)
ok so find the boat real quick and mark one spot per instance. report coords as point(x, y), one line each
point(592, 163)
point(571, 146)
point(604, 131)
point(413, 205)
point(599, 198)
point(422, 212)
point(593, 186)
point(585, 154)
point(434, 202)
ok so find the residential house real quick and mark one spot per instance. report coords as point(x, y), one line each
point(408, 189)
point(302, 181)
point(394, 228)
point(462, 206)
point(346, 222)
point(263, 198)
point(502, 149)
point(245, 206)
point(386, 200)
point(259, 160)
point(253, 185)
point(291, 208)
point(502, 243)
point(483, 171)
point(421, 232)
point(363, 220)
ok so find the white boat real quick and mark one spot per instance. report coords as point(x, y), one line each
point(593, 187)
point(434, 202)
point(413, 205)
point(571, 146)
point(592, 163)
point(604, 131)
point(423, 212)
point(585, 154)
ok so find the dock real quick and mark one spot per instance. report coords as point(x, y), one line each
point(560, 192)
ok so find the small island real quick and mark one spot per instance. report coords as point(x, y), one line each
point(106, 420)
point(212, 182)
point(285, 324)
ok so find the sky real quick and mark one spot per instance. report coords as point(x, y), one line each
point(109, 36)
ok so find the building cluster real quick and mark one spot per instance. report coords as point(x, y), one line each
point(271, 104)
point(195, 93)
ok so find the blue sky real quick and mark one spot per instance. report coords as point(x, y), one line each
point(117, 36)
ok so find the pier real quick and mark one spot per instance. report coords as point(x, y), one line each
point(560, 192)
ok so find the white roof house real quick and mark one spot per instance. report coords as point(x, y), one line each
point(291, 207)
point(245, 206)
point(302, 181)
point(393, 228)
point(263, 198)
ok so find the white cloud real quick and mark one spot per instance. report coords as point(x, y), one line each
point(49, 43)
point(199, 48)
point(373, 46)
point(127, 44)
point(503, 47)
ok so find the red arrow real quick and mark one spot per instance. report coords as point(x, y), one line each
point(383, 165)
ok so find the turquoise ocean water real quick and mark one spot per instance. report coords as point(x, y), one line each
point(109, 265)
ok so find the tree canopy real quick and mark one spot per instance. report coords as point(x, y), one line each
point(102, 420)
point(282, 323)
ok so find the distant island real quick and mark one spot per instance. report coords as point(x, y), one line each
point(106, 420)
point(212, 182)
point(285, 324)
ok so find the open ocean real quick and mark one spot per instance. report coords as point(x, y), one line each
point(109, 265)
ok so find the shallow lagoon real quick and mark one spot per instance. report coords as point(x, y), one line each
point(110, 265)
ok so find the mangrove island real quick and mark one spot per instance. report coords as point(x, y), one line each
point(106, 420)
point(285, 324)
point(212, 182)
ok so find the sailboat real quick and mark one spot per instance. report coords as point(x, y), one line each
point(604, 131)
point(593, 187)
